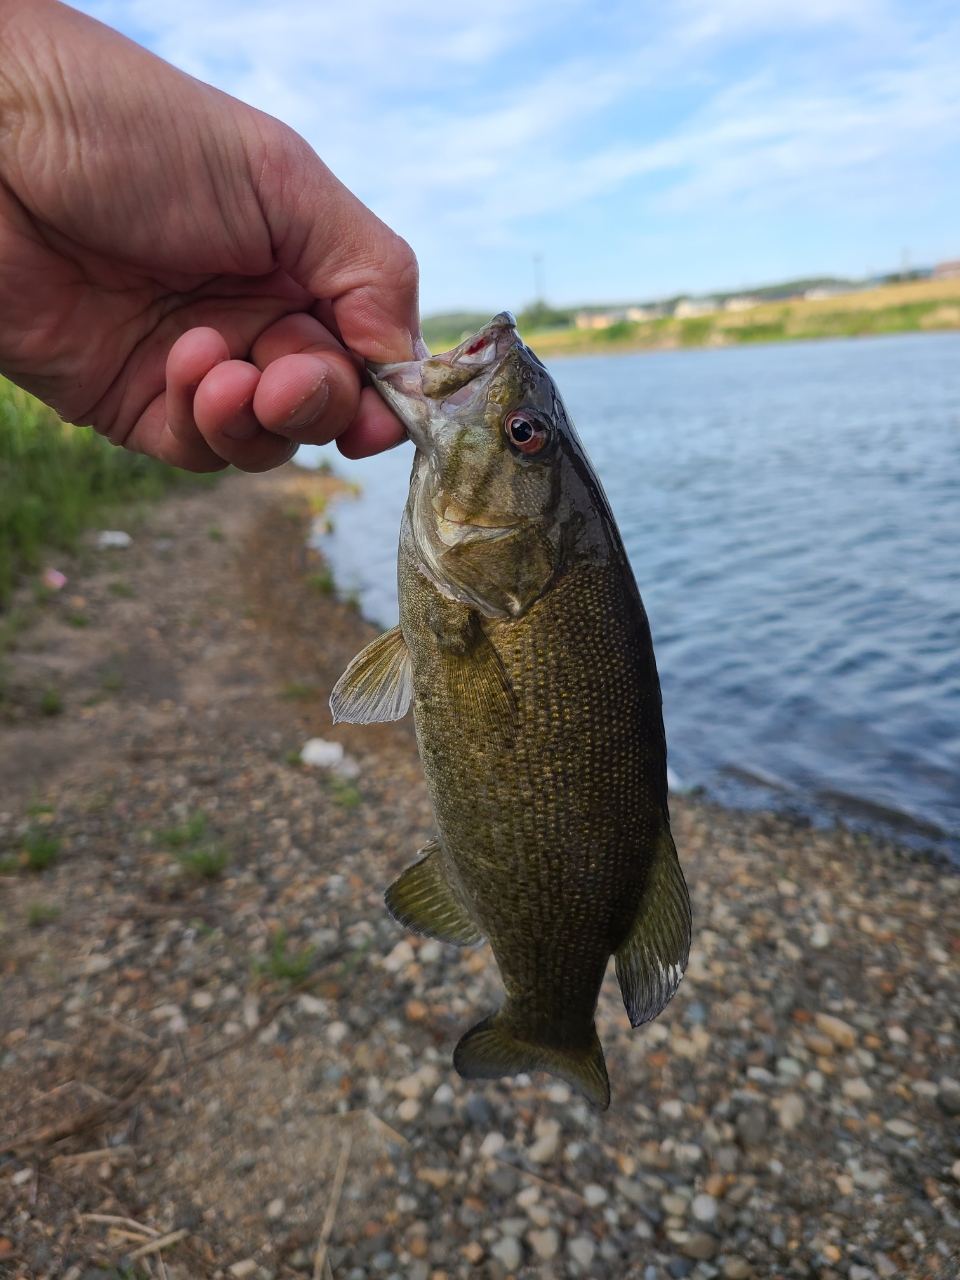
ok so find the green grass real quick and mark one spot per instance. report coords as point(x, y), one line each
point(38, 915)
point(322, 581)
point(344, 792)
point(279, 964)
point(300, 692)
point(56, 480)
point(122, 589)
point(41, 849)
point(215, 534)
point(51, 704)
point(201, 859)
point(187, 833)
point(206, 862)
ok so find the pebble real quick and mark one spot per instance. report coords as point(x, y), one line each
point(857, 1089)
point(703, 1208)
point(581, 1250)
point(701, 1246)
point(736, 1267)
point(492, 1144)
point(544, 1243)
point(772, 1035)
point(508, 1251)
point(547, 1141)
point(840, 1032)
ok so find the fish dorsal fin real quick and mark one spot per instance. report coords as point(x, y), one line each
point(377, 685)
point(424, 900)
point(652, 958)
point(496, 1047)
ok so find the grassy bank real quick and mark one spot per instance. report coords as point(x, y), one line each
point(917, 306)
point(56, 480)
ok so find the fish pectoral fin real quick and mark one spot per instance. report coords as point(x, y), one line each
point(653, 957)
point(496, 1047)
point(423, 899)
point(480, 690)
point(377, 685)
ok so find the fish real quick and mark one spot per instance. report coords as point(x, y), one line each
point(525, 652)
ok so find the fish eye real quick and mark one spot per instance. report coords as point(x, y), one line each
point(525, 433)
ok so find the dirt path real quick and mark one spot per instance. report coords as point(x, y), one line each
point(212, 1036)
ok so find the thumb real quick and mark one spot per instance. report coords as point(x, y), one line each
point(338, 250)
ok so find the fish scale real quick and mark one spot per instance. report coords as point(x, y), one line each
point(525, 652)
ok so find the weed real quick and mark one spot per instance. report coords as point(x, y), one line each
point(281, 965)
point(318, 504)
point(300, 691)
point(38, 915)
point(8, 865)
point(322, 581)
point(186, 833)
point(56, 480)
point(215, 534)
point(111, 679)
point(41, 849)
point(122, 589)
point(345, 793)
point(77, 620)
point(206, 863)
point(293, 758)
point(51, 704)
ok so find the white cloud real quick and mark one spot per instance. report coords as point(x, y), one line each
point(468, 127)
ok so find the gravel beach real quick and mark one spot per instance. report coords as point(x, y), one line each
point(220, 1057)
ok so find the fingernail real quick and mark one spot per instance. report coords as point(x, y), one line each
point(309, 409)
point(241, 430)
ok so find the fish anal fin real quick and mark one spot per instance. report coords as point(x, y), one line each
point(652, 958)
point(423, 899)
point(496, 1047)
point(377, 685)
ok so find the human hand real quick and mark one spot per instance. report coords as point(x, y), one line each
point(178, 270)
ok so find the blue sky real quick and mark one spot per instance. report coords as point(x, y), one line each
point(643, 149)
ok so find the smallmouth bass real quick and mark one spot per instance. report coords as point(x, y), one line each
point(525, 652)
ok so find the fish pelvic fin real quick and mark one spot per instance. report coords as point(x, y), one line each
point(377, 685)
point(497, 1047)
point(424, 900)
point(653, 956)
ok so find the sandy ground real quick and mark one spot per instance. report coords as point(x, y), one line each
point(220, 1057)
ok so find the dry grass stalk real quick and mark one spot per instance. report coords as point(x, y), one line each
point(112, 1220)
point(320, 1261)
point(164, 1242)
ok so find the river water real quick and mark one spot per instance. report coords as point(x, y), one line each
point(792, 514)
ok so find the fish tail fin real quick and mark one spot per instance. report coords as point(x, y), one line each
point(497, 1047)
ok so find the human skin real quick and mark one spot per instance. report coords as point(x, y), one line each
point(178, 270)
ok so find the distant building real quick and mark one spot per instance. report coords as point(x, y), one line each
point(821, 292)
point(689, 308)
point(743, 303)
point(946, 270)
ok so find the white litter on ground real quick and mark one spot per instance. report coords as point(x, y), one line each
point(108, 538)
point(320, 754)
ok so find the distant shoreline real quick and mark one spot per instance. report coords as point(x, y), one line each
point(923, 306)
